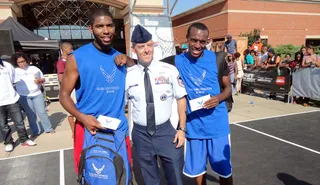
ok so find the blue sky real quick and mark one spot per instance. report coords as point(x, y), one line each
point(184, 5)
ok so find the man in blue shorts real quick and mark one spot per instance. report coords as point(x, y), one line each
point(208, 132)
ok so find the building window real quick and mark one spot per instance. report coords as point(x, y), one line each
point(57, 19)
point(264, 39)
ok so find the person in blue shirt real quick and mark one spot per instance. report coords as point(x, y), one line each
point(248, 59)
point(230, 46)
point(208, 132)
point(99, 83)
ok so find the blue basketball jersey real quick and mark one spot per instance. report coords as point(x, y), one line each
point(102, 84)
point(200, 78)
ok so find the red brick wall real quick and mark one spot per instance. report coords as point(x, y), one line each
point(280, 29)
point(218, 27)
point(203, 13)
point(273, 6)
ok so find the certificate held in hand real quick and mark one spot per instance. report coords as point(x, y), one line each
point(197, 103)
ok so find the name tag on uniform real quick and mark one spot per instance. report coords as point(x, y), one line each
point(109, 122)
point(197, 103)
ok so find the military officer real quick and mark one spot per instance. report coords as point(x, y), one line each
point(152, 86)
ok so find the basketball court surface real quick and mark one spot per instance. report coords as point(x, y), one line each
point(282, 150)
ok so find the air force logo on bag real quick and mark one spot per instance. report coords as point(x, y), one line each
point(103, 159)
point(98, 172)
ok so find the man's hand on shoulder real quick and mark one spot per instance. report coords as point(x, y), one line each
point(120, 59)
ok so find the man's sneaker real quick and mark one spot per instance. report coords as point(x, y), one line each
point(51, 132)
point(29, 142)
point(8, 147)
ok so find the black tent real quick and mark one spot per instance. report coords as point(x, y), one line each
point(26, 39)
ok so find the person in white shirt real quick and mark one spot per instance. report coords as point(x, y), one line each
point(152, 86)
point(31, 97)
point(9, 106)
point(240, 66)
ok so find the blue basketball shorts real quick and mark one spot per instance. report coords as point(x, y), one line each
point(217, 150)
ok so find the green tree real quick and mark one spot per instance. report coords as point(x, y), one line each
point(282, 50)
point(252, 36)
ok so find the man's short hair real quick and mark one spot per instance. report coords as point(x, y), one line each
point(97, 12)
point(65, 45)
point(199, 26)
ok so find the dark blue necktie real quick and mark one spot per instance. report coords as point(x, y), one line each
point(151, 118)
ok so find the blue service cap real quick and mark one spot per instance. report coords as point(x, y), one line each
point(140, 35)
point(229, 36)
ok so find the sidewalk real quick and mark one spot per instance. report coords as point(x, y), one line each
point(242, 111)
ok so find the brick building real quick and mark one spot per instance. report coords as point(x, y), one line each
point(280, 21)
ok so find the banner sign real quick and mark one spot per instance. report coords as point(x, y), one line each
point(306, 83)
point(271, 80)
point(160, 28)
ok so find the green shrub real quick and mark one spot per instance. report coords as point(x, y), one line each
point(282, 50)
point(252, 36)
point(317, 49)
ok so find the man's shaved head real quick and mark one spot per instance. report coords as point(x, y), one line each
point(66, 45)
point(66, 49)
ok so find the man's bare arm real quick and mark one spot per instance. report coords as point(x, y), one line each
point(69, 80)
point(182, 108)
point(180, 135)
point(60, 78)
point(227, 90)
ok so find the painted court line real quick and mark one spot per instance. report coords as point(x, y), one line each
point(50, 151)
point(278, 116)
point(277, 138)
point(62, 167)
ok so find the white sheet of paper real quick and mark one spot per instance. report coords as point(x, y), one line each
point(197, 103)
point(109, 122)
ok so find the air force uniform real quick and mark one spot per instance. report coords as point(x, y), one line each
point(156, 141)
point(166, 88)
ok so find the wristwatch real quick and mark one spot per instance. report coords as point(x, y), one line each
point(183, 129)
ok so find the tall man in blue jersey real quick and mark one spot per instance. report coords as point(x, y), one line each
point(208, 133)
point(99, 83)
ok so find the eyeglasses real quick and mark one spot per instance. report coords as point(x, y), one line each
point(23, 61)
